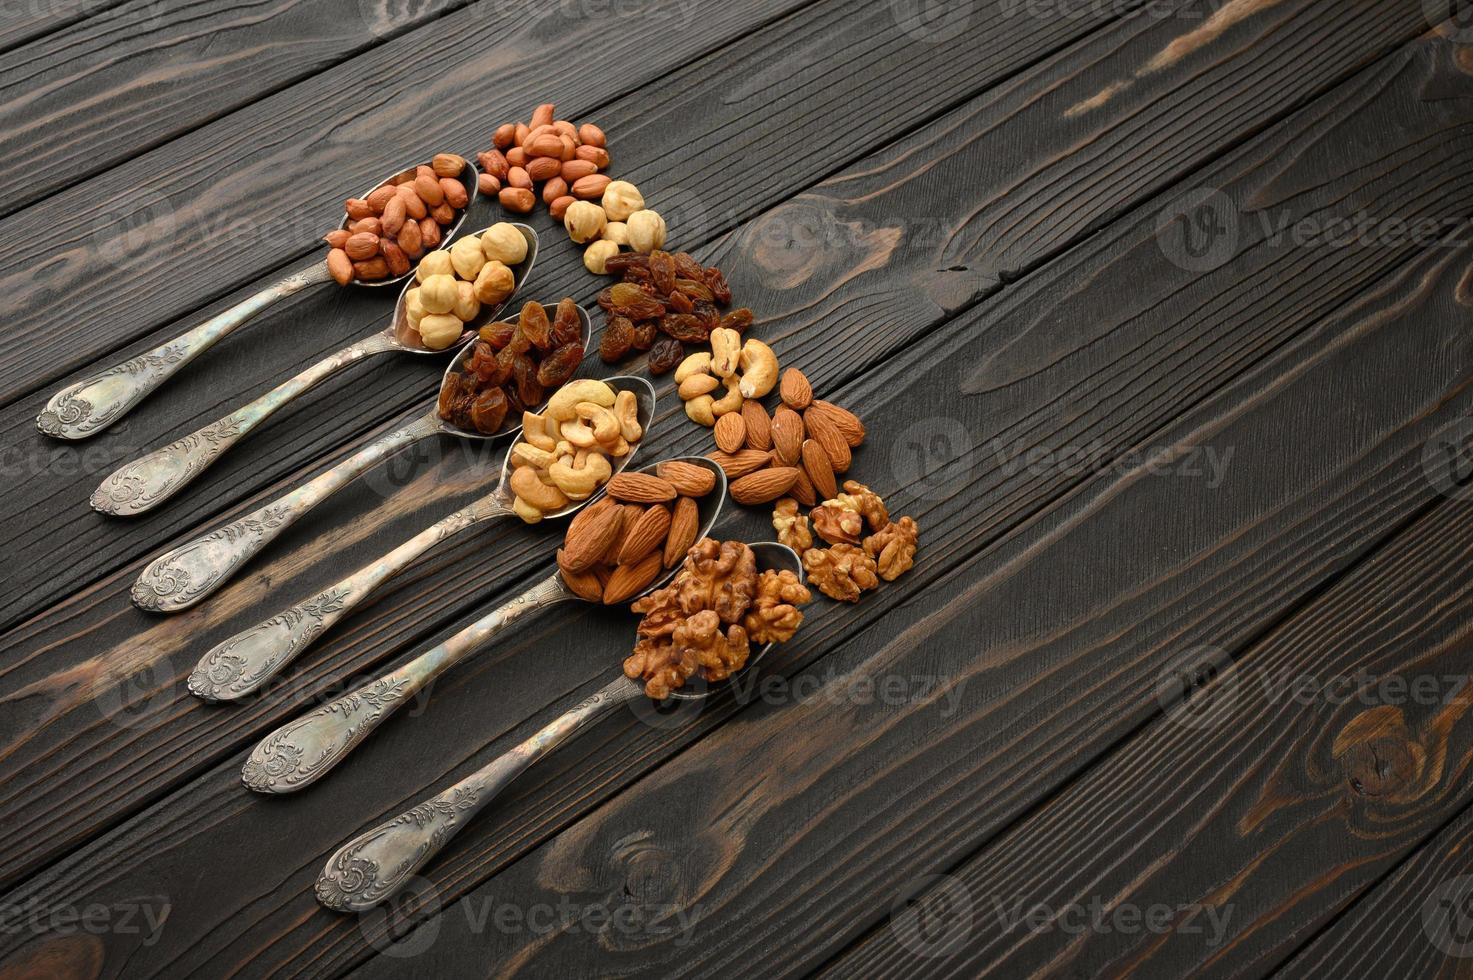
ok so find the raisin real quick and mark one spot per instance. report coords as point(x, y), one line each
point(618, 338)
point(489, 410)
point(662, 271)
point(520, 343)
point(605, 296)
point(738, 319)
point(485, 365)
point(524, 374)
point(666, 353)
point(506, 357)
point(567, 325)
point(644, 335)
point(450, 395)
point(514, 405)
point(687, 267)
point(686, 327)
point(681, 303)
point(558, 366)
point(642, 276)
point(498, 335)
point(708, 314)
point(695, 290)
point(534, 324)
point(626, 260)
point(645, 309)
point(717, 282)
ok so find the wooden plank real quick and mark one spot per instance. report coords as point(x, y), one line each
point(22, 22)
point(1177, 365)
point(1000, 680)
point(277, 150)
point(78, 101)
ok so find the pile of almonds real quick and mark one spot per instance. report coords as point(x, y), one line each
point(796, 451)
point(563, 158)
point(616, 547)
point(400, 220)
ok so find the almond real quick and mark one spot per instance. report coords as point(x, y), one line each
point(847, 422)
point(641, 488)
point(684, 526)
point(795, 390)
point(764, 485)
point(647, 534)
point(688, 479)
point(758, 423)
point(730, 432)
point(629, 580)
point(787, 435)
point(826, 433)
point(819, 469)
point(590, 534)
point(584, 585)
point(802, 490)
point(739, 464)
point(629, 515)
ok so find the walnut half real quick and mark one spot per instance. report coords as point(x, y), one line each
point(893, 548)
point(841, 572)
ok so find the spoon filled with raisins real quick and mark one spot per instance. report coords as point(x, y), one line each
point(183, 576)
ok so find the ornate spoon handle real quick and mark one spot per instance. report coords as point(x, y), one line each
point(249, 658)
point(179, 578)
point(302, 751)
point(84, 408)
point(148, 481)
point(372, 866)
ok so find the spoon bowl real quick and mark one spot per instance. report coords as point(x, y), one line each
point(404, 337)
point(468, 177)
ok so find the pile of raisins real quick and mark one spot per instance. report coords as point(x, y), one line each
point(665, 302)
point(513, 367)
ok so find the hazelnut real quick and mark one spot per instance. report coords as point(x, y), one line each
point(413, 308)
point(646, 231)
point(466, 304)
point(495, 283)
point(437, 294)
point(437, 263)
point(621, 199)
point(439, 330)
point(467, 258)
point(584, 221)
point(597, 254)
point(504, 243)
point(617, 232)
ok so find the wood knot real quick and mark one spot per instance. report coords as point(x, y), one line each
point(1377, 753)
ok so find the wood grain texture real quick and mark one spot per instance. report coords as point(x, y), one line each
point(22, 22)
point(1122, 417)
point(99, 628)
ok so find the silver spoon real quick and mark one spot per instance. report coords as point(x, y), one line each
point(302, 751)
point(248, 659)
point(148, 481)
point(374, 865)
point(84, 408)
point(183, 576)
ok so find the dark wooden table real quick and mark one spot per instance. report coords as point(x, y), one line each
point(1159, 315)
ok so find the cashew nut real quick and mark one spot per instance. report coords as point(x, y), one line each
point(525, 510)
point(605, 423)
point(533, 456)
point(534, 430)
point(699, 410)
point(582, 475)
point(561, 406)
point(698, 384)
point(726, 350)
point(759, 369)
point(626, 410)
point(729, 402)
point(524, 484)
point(578, 433)
point(697, 363)
point(620, 447)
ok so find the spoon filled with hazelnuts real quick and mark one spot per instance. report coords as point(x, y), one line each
point(614, 410)
point(382, 235)
point(451, 294)
point(481, 397)
point(707, 624)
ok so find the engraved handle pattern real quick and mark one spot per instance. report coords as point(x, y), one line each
point(242, 663)
point(84, 408)
point(150, 480)
point(302, 751)
point(374, 865)
point(179, 578)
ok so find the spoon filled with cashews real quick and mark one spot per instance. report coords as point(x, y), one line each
point(305, 749)
point(603, 421)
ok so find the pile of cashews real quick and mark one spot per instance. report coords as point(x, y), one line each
point(564, 454)
point(745, 370)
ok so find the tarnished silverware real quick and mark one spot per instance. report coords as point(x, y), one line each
point(84, 408)
point(302, 751)
point(248, 659)
point(182, 576)
point(373, 866)
point(141, 485)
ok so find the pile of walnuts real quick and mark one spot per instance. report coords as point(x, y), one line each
point(706, 620)
point(853, 562)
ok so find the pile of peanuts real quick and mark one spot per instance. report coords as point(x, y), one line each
point(400, 220)
point(563, 158)
point(564, 453)
point(454, 282)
